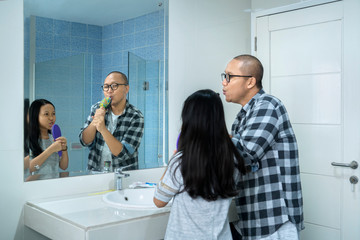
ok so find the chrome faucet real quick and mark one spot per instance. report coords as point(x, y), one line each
point(119, 175)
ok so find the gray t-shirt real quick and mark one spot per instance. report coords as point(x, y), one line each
point(191, 218)
point(51, 165)
point(106, 153)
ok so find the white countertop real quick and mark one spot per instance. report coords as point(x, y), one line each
point(85, 212)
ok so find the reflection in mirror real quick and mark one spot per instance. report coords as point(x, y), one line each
point(69, 52)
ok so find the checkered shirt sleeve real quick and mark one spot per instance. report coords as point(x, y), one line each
point(129, 131)
point(271, 194)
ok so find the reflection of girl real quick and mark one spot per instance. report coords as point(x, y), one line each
point(201, 175)
point(44, 158)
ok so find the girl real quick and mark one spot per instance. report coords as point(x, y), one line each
point(202, 175)
point(44, 157)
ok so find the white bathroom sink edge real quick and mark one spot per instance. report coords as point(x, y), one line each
point(51, 226)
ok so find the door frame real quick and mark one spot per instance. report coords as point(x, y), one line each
point(281, 9)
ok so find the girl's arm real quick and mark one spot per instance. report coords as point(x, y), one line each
point(41, 158)
point(64, 160)
point(168, 187)
point(158, 202)
point(26, 162)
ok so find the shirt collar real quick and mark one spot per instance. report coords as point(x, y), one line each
point(108, 110)
point(252, 101)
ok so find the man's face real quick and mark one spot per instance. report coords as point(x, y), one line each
point(236, 90)
point(119, 94)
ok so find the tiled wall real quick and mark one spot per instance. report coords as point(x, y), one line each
point(61, 81)
point(144, 37)
point(148, 102)
point(104, 49)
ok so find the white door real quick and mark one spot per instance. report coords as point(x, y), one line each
point(309, 66)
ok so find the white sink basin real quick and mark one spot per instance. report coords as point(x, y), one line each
point(138, 198)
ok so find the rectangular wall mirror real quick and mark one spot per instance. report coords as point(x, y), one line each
point(71, 46)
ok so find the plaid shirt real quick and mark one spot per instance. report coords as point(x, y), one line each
point(271, 194)
point(129, 131)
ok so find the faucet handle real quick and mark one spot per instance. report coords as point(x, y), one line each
point(121, 174)
point(120, 169)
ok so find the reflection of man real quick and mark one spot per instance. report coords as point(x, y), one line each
point(113, 135)
point(269, 203)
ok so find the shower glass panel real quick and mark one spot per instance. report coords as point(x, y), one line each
point(144, 94)
point(62, 82)
point(137, 77)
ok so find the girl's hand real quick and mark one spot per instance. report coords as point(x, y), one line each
point(63, 142)
point(56, 146)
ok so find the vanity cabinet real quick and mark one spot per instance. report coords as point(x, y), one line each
point(88, 217)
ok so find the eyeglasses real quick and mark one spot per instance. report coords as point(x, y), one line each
point(113, 86)
point(228, 76)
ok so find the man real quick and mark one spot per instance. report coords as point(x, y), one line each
point(269, 204)
point(113, 135)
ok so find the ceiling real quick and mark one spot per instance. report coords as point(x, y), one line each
point(96, 12)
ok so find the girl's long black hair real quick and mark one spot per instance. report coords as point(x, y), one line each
point(34, 126)
point(208, 154)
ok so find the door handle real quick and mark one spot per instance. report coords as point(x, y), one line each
point(353, 164)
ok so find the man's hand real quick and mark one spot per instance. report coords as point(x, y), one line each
point(99, 119)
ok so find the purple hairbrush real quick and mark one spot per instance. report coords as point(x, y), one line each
point(177, 142)
point(55, 130)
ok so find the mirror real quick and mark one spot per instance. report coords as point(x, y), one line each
point(70, 47)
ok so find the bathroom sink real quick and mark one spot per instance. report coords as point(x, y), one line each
point(88, 216)
point(138, 198)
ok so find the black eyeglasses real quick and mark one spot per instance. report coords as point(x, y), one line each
point(228, 76)
point(113, 86)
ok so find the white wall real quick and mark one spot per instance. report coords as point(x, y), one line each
point(11, 97)
point(204, 35)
